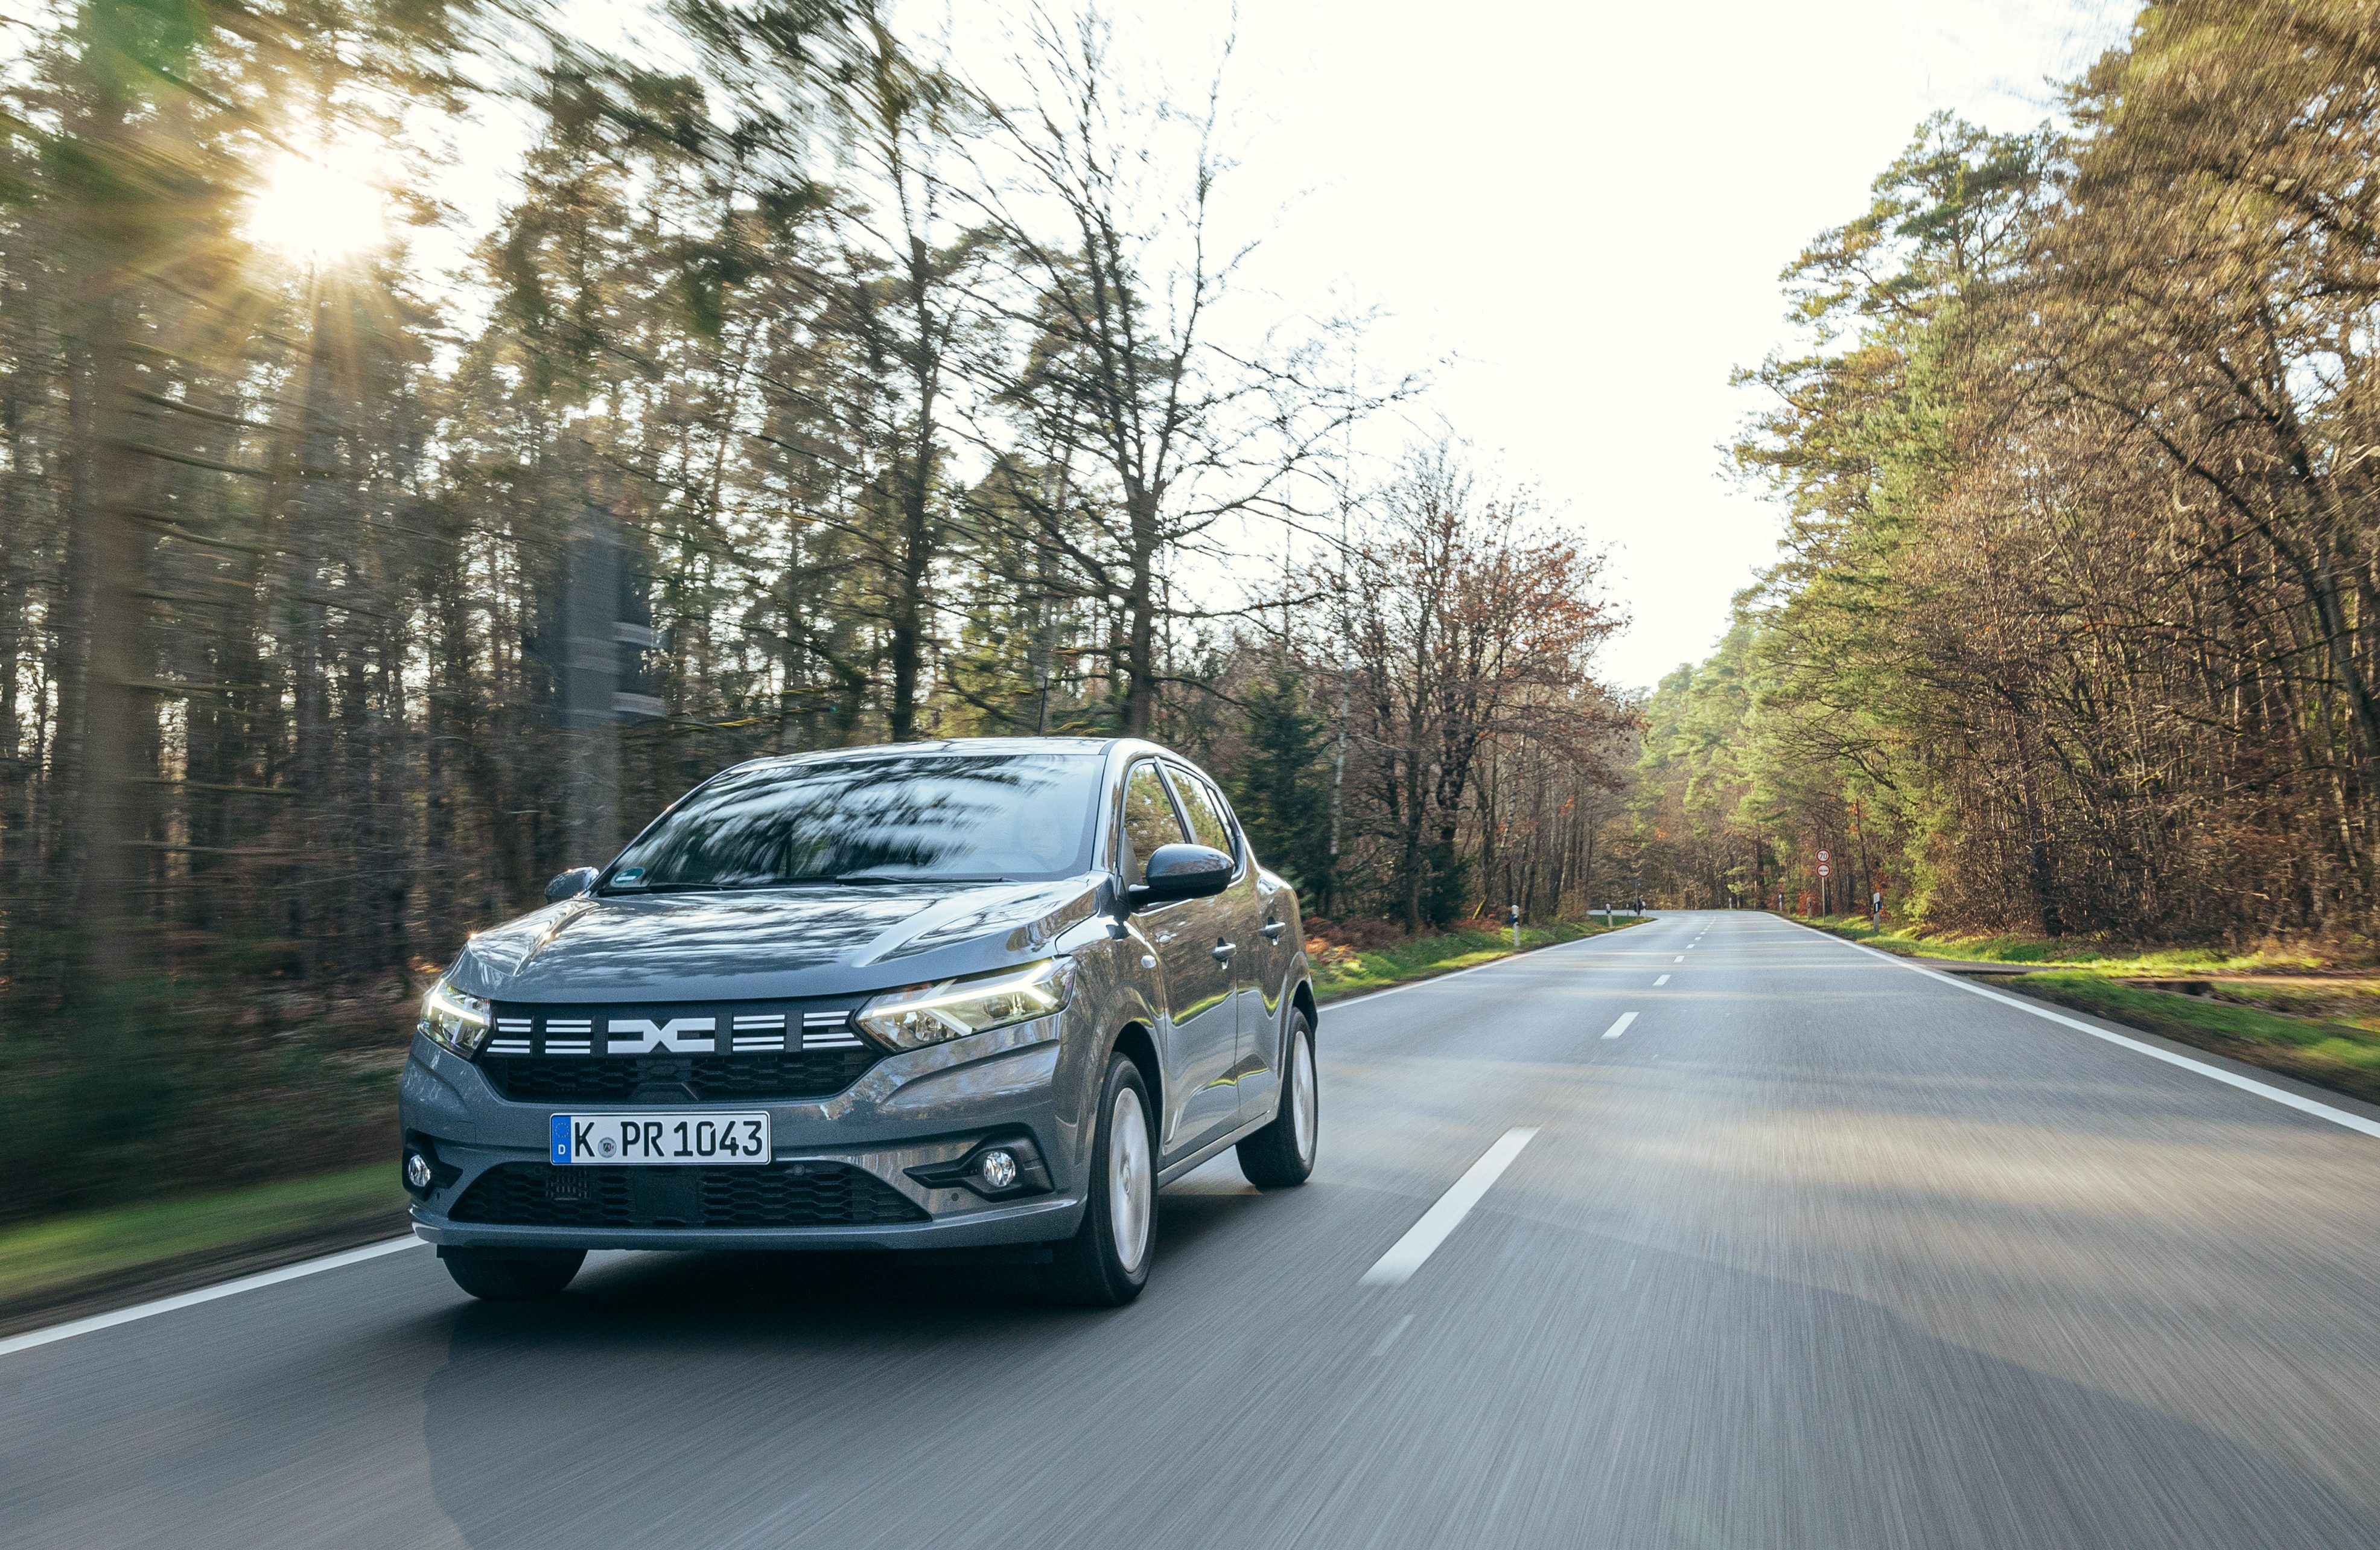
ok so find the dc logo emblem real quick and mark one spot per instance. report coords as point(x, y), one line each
point(670, 1036)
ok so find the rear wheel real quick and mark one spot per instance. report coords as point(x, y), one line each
point(1281, 1155)
point(512, 1274)
point(1106, 1263)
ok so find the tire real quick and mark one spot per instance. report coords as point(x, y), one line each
point(1106, 1263)
point(512, 1274)
point(1281, 1156)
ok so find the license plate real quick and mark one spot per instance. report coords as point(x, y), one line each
point(609, 1140)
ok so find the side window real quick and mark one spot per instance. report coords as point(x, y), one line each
point(1207, 824)
point(1238, 847)
point(1150, 820)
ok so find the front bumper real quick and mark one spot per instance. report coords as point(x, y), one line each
point(1041, 1220)
point(911, 1110)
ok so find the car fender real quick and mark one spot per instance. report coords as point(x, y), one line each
point(1113, 992)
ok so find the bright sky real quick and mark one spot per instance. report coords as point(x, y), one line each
point(1588, 204)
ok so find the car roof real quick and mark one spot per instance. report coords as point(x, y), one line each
point(945, 745)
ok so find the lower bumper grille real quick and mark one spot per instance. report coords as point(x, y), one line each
point(780, 1195)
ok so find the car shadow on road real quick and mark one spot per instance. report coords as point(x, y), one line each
point(752, 1295)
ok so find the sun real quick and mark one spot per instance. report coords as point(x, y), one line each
point(315, 209)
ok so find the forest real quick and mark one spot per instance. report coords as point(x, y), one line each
point(373, 546)
point(2075, 627)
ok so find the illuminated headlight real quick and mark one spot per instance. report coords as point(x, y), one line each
point(454, 1020)
point(925, 1015)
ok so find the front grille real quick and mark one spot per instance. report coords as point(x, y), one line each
point(674, 1053)
point(702, 1078)
point(780, 1195)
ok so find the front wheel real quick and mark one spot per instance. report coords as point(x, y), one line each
point(512, 1274)
point(1281, 1155)
point(1106, 1263)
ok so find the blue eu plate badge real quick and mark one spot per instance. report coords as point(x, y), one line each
point(561, 1141)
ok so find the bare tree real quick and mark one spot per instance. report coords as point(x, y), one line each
point(1105, 205)
point(1468, 621)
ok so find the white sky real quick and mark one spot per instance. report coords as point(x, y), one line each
point(1588, 204)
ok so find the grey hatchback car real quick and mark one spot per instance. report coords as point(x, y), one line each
point(951, 995)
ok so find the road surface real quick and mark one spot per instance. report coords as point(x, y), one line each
point(1817, 1251)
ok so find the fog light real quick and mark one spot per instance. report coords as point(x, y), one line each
point(417, 1170)
point(998, 1168)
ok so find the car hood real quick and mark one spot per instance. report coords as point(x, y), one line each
point(777, 943)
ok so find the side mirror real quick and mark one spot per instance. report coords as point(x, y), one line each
point(1181, 871)
point(571, 883)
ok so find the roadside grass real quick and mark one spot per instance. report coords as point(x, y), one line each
point(2097, 958)
point(2278, 1011)
point(42, 1261)
point(1340, 972)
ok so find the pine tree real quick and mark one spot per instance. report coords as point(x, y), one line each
point(1282, 784)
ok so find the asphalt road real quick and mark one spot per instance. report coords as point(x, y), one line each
point(1819, 1252)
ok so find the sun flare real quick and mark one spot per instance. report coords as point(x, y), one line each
point(314, 209)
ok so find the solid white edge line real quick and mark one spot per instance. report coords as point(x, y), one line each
point(1407, 1254)
point(2355, 1122)
point(97, 1322)
point(1621, 1027)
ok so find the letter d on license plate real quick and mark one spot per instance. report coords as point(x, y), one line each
point(609, 1140)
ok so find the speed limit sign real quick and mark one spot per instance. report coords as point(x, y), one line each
point(1823, 856)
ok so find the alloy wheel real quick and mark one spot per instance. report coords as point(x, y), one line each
point(1302, 1100)
point(1131, 1179)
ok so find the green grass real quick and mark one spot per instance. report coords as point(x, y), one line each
point(2094, 957)
point(1417, 957)
point(39, 1258)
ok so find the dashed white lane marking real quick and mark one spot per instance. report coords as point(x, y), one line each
point(1407, 1254)
point(1621, 1027)
point(2304, 1106)
point(1659, 982)
point(1390, 1338)
point(97, 1322)
point(1680, 959)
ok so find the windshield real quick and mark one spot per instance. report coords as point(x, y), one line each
point(898, 818)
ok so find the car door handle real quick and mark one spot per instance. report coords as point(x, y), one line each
point(1273, 931)
point(1223, 951)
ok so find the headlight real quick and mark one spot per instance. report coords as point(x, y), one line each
point(923, 1015)
point(454, 1020)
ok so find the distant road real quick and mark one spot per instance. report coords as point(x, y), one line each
point(1800, 1248)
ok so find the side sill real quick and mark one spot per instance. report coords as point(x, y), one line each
point(1168, 1174)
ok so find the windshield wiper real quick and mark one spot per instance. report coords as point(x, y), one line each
point(852, 879)
point(885, 879)
point(857, 879)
